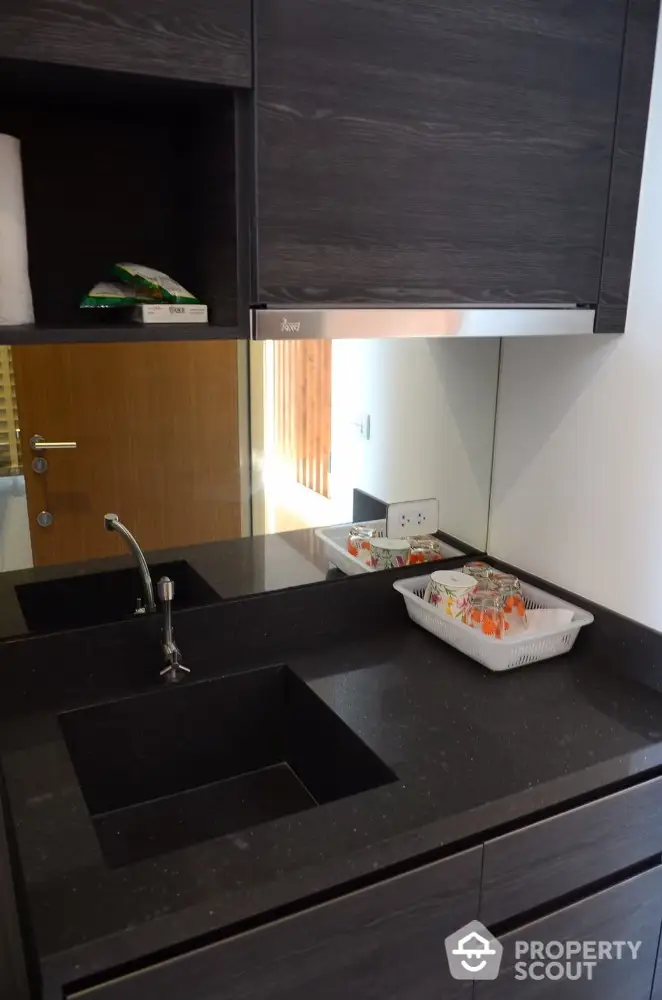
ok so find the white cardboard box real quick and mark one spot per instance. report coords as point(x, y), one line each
point(171, 312)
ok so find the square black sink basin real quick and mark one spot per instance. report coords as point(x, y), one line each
point(99, 598)
point(188, 763)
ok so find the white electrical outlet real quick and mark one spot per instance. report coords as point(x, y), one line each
point(362, 423)
point(412, 517)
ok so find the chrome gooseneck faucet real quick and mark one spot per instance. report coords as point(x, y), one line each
point(111, 522)
point(174, 669)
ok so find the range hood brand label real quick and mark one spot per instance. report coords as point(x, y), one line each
point(287, 326)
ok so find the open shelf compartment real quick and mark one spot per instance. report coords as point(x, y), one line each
point(145, 172)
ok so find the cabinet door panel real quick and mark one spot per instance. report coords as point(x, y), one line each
point(434, 150)
point(530, 867)
point(628, 912)
point(385, 942)
point(195, 40)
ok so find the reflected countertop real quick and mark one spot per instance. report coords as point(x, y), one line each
point(238, 567)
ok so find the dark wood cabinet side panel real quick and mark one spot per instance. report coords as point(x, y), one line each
point(657, 982)
point(533, 866)
point(199, 40)
point(459, 153)
point(385, 942)
point(611, 319)
point(628, 912)
point(630, 141)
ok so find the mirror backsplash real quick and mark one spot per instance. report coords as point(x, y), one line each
point(222, 457)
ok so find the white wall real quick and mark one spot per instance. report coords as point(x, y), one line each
point(577, 491)
point(431, 406)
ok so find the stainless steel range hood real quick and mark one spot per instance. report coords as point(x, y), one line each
point(363, 323)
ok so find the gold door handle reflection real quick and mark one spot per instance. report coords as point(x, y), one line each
point(37, 443)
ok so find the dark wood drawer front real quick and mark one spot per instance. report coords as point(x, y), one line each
point(533, 866)
point(386, 941)
point(206, 40)
point(434, 151)
point(628, 912)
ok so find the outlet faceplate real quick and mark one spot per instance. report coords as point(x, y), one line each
point(362, 423)
point(412, 517)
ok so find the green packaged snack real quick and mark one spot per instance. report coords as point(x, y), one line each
point(107, 294)
point(161, 285)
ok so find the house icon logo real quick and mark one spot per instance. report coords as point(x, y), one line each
point(474, 953)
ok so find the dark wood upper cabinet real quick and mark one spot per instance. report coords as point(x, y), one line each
point(434, 151)
point(203, 40)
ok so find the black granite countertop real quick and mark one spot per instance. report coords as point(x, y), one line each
point(473, 752)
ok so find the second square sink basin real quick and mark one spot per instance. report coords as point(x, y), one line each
point(99, 598)
point(187, 763)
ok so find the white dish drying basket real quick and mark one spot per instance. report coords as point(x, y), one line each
point(495, 654)
point(335, 547)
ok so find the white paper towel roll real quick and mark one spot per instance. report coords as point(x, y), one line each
point(15, 292)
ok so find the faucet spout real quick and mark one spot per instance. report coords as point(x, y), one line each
point(112, 522)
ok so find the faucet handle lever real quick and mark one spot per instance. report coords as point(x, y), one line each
point(171, 671)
